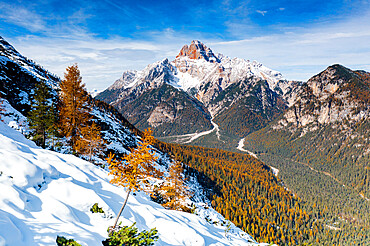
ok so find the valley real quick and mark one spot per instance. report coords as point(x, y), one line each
point(191, 137)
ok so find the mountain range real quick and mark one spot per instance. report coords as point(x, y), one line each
point(197, 91)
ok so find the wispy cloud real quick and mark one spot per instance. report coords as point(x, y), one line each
point(20, 16)
point(101, 61)
point(298, 53)
point(262, 12)
point(122, 7)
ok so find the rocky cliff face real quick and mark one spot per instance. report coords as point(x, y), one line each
point(197, 51)
point(332, 96)
point(327, 127)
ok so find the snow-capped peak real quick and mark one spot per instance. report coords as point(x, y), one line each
point(195, 68)
point(199, 71)
point(127, 79)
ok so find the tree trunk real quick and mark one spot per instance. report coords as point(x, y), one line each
point(123, 206)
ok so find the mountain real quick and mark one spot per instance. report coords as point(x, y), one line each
point(330, 120)
point(321, 146)
point(147, 99)
point(314, 193)
point(332, 96)
point(199, 91)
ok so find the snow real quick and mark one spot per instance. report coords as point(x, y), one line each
point(94, 92)
point(192, 73)
point(195, 136)
point(185, 73)
point(185, 81)
point(9, 54)
point(45, 194)
point(13, 118)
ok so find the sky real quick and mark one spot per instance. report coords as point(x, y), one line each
point(105, 38)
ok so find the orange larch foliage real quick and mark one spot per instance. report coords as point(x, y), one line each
point(174, 190)
point(90, 141)
point(74, 109)
point(135, 168)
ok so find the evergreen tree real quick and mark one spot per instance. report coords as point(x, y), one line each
point(74, 106)
point(42, 116)
point(135, 168)
point(90, 141)
point(130, 235)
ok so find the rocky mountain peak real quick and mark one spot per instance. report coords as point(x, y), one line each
point(328, 81)
point(335, 94)
point(333, 74)
point(197, 50)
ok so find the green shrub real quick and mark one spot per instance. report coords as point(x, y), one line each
point(62, 241)
point(129, 235)
point(96, 209)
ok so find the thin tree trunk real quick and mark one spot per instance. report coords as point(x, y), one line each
point(123, 206)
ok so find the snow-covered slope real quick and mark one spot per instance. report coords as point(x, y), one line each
point(9, 54)
point(19, 76)
point(45, 194)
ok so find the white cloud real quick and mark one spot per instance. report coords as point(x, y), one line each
point(262, 12)
point(101, 61)
point(298, 53)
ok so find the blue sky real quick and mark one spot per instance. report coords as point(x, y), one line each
point(297, 38)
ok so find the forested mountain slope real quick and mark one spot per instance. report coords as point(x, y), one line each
point(325, 135)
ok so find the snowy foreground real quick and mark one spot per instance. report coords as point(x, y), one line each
point(44, 194)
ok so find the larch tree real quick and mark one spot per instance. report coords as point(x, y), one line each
point(90, 141)
point(134, 169)
point(42, 116)
point(74, 105)
point(174, 189)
